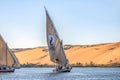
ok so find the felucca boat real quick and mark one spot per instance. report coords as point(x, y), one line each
point(8, 61)
point(55, 46)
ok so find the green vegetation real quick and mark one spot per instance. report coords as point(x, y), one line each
point(35, 65)
point(78, 64)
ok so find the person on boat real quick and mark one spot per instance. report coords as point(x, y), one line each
point(60, 67)
point(4, 68)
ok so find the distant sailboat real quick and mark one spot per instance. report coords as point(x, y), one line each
point(8, 61)
point(56, 51)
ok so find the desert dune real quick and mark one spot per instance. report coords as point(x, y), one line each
point(76, 54)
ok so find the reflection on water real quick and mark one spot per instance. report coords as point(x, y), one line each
point(76, 74)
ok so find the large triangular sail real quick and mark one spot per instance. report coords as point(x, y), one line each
point(55, 46)
point(6, 57)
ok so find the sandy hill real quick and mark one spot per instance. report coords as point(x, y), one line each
point(76, 54)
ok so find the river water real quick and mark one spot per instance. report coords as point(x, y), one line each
point(87, 73)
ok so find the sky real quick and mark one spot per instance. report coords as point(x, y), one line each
point(78, 22)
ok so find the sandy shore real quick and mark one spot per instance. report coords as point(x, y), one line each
point(84, 54)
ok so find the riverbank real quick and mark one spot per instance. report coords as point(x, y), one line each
point(107, 54)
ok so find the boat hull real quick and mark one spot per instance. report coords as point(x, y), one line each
point(8, 70)
point(62, 70)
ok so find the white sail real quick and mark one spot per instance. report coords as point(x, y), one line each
point(56, 50)
point(6, 57)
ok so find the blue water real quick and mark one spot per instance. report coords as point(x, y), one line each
point(76, 74)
